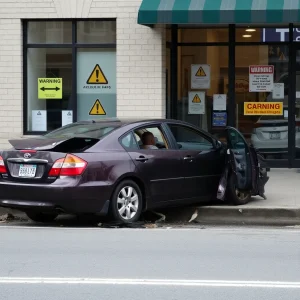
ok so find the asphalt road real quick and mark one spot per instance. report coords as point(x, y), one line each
point(93, 263)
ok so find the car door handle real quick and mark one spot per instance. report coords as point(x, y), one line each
point(141, 158)
point(188, 157)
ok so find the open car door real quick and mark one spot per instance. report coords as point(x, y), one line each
point(242, 176)
point(239, 158)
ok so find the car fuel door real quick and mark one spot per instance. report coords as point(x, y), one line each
point(239, 158)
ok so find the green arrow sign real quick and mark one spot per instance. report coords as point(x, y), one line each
point(50, 88)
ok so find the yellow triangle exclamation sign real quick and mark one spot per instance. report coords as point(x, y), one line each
point(196, 99)
point(97, 109)
point(200, 73)
point(282, 56)
point(97, 76)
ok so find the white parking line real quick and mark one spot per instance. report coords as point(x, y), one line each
point(157, 282)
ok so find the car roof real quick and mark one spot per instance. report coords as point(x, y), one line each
point(131, 122)
point(127, 121)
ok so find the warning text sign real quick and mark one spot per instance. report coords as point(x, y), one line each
point(50, 88)
point(263, 108)
point(261, 78)
point(200, 76)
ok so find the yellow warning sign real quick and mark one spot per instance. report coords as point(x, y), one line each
point(282, 56)
point(50, 88)
point(97, 76)
point(97, 109)
point(196, 99)
point(200, 73)
point(263, 108)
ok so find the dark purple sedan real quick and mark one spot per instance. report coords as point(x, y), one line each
point(121, 168)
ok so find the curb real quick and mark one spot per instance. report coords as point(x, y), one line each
point(238, 215)
point(222, 215)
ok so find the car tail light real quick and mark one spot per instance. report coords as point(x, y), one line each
point(255, 126)
point(71, 165)
point(2, 166)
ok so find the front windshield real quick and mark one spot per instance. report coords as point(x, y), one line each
point(92, 130)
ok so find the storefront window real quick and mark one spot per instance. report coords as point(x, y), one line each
point(55, 32)
point(252, 34)
point(199, 35)
point(96, 32)
point(262, 66)
point(52, 98)
point(96, 83)
point(56, 66)
point(203, 73)
point(262, 91)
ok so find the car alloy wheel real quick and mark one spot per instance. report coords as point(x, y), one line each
point(128, 202)
point(234, 195)
point(241, 195)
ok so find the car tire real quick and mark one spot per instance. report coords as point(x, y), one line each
point(126, 202)
point(41, 217)
point(235, 196)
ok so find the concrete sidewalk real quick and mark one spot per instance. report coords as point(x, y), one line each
point(282, 206)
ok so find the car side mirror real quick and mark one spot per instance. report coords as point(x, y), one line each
point(179, 145)
point(218, 144)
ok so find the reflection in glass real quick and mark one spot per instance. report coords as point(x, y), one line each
point(49, 63)
point(217, 58)
point(96, 32)
point(268, 133)
point(52, 32)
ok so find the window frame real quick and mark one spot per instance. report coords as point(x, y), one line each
point(74, 46)
point(192, 128)
point(131, 132)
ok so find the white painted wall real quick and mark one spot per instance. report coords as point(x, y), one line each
point(140, 57)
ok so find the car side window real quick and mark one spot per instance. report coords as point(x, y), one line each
point(128, 142)
point(150, 138)
point(235, 140)
point(190, 139)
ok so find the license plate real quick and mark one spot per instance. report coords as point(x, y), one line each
point(27, 171)
point(275, 135)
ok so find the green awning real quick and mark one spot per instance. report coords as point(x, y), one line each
point(219, 12)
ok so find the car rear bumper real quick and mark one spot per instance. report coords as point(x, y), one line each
point(274, 146)
point(61, 197)
point(269, 146)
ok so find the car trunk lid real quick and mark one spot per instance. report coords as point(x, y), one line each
point(30, 160)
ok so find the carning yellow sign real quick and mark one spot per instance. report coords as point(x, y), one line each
point(263, 108)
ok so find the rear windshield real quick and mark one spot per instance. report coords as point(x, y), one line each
point(91, 130)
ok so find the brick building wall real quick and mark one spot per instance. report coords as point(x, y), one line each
point(140, 57)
